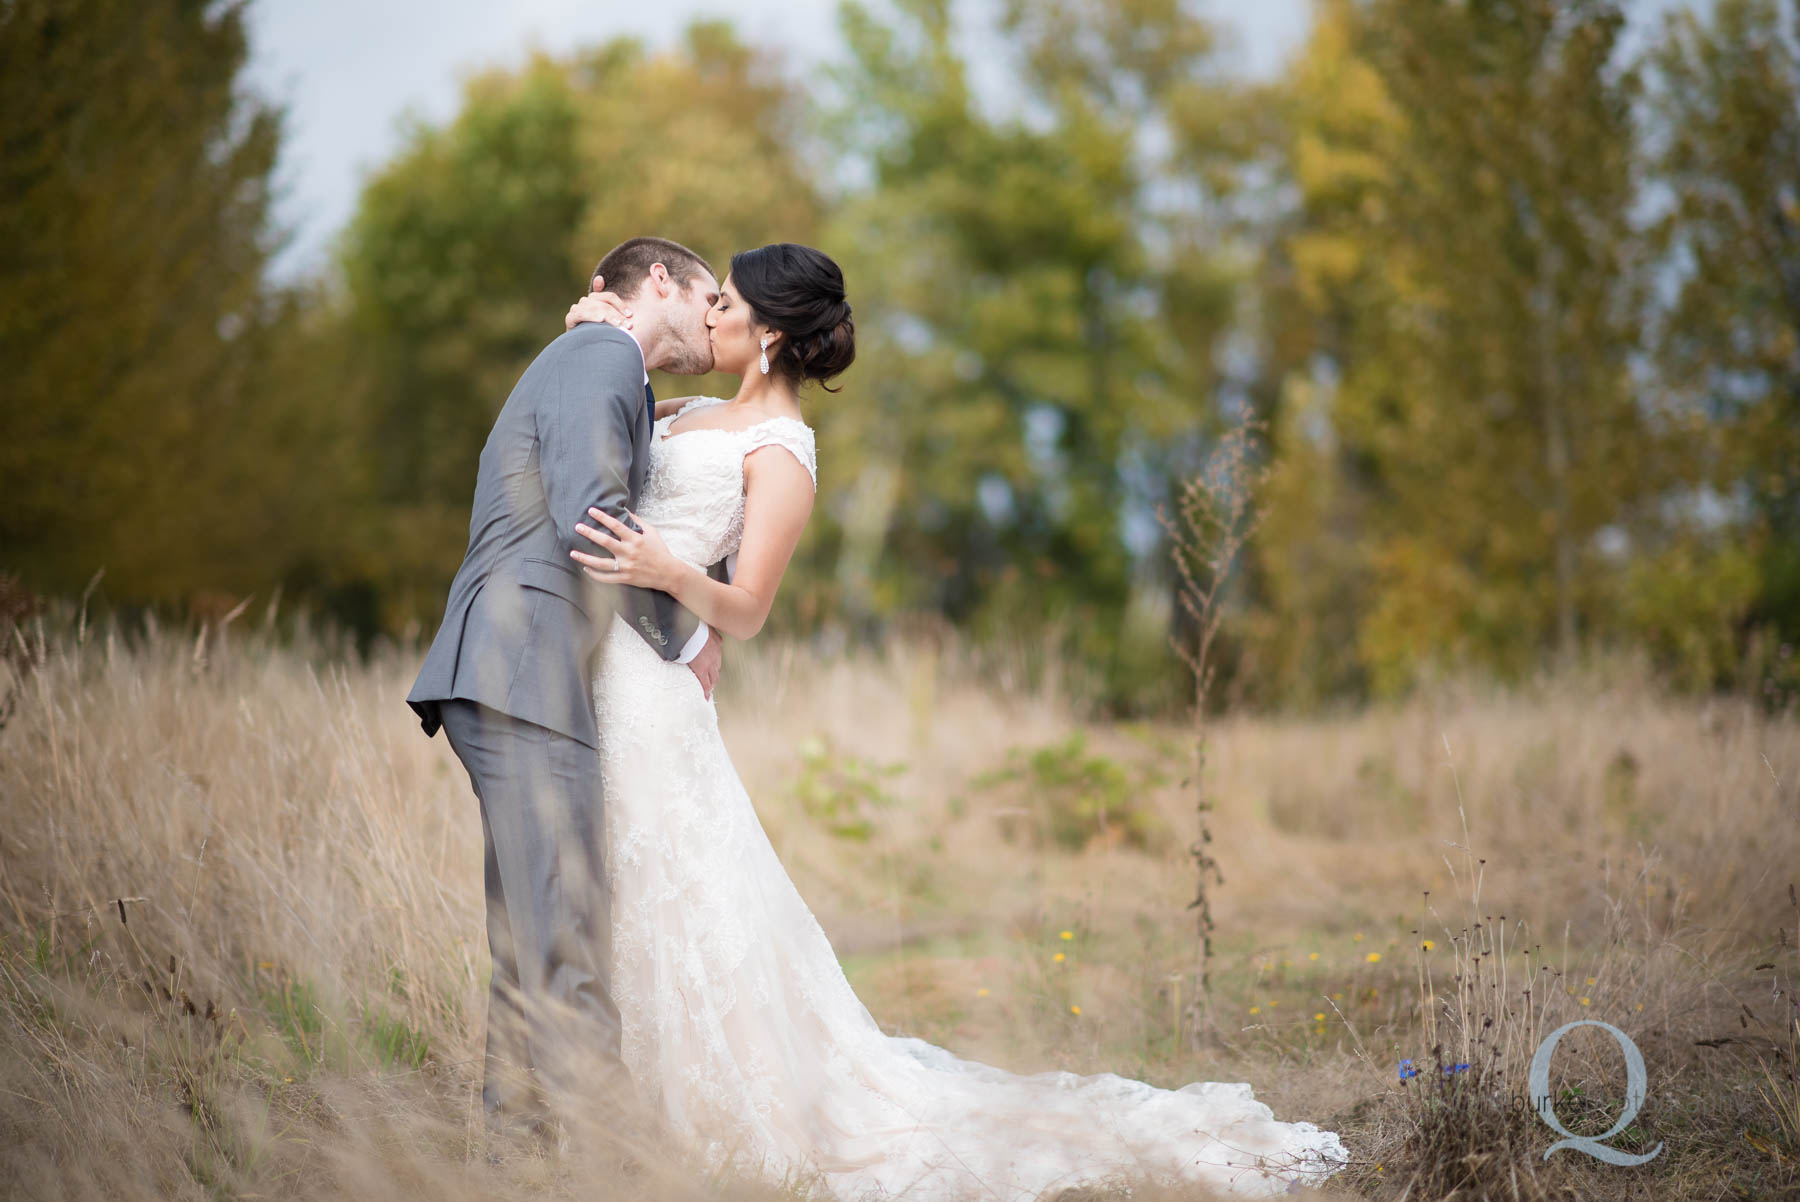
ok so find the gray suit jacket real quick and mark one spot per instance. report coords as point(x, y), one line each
point(523, 622)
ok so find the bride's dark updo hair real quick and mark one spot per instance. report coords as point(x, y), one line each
point(799, 291)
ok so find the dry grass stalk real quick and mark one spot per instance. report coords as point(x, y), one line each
point(1215, 517)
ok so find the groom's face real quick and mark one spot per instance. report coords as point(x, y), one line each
point(689, 343)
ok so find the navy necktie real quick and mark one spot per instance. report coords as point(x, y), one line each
point(650, 402)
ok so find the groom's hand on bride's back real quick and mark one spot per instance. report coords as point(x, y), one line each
point(706, 665)
point(598, 305)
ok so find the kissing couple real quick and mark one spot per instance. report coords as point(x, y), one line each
point(647, 944)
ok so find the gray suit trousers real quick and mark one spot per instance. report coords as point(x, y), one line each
point(552, 1027)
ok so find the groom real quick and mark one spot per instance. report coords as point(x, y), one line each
point(510, 674)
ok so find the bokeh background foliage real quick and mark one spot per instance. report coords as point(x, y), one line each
point(1515, 287)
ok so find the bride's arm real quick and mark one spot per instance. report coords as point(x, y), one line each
point(778, 498)
point(674, 405)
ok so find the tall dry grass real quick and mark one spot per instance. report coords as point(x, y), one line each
point(241, 945)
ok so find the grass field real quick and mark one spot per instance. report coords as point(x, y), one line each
point(241, 949)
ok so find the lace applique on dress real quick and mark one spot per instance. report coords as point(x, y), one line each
point(738, 1023)
point(694, 487)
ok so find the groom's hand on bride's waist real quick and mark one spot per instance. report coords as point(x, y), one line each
point(706, 665)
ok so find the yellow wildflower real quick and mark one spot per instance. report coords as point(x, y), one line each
point(1356, 938)
point(1373, 957)
point(981, 992)
point(1059, 957)
point(1428, 945)
point(1256, 1009)
point(1319, 1017)
point(1312, 955)
point(1584, 1001)
point(1075, 1010)
point(1066, 935)
point(1590, 980)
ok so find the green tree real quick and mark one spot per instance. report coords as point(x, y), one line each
point(1727, 102)
point(134, 197)
point(1046, 291)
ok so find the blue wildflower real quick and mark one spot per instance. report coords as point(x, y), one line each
point(1451, 1070)
point(1407, 1069)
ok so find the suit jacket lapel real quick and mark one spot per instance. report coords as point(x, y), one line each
point(640, 445)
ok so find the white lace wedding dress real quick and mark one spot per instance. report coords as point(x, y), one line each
point(738, 1023)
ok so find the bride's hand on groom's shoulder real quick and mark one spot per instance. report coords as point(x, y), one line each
point(637, 557)
point(598, 306)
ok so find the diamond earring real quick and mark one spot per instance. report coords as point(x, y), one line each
point(765, 355)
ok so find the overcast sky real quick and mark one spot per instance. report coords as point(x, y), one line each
point(348, 70)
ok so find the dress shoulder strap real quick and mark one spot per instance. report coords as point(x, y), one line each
point(796, 436)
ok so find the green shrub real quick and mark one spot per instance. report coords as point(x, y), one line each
point(1063, 794)
point(841, 792)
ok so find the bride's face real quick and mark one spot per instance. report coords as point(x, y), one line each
point(736, 337)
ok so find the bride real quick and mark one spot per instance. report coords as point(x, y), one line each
point(738, 1024)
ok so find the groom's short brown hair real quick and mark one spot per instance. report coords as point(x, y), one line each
point(627, 265)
